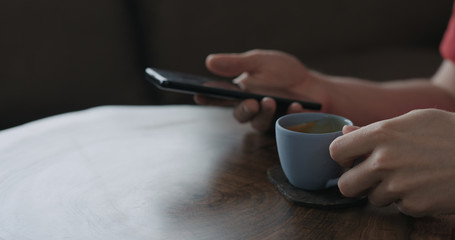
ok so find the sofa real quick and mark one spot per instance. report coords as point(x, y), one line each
point(61, 56)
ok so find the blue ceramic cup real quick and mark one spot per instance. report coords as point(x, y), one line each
point(304, 156)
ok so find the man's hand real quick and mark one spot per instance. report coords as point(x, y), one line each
point(409, 161)
point(264, 72)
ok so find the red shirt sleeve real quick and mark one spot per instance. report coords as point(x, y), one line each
point(447, 47)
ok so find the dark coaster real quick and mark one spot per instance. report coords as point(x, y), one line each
point(325, 199)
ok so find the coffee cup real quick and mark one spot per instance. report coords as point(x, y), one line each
point(303, 141)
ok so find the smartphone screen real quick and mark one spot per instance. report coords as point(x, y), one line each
point(192, 84)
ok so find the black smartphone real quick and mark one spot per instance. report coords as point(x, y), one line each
point(189, 83)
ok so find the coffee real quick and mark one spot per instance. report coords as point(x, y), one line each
point(325, 125)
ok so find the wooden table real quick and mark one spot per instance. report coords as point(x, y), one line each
point(166, 172)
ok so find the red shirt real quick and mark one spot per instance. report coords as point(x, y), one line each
point(447, 47)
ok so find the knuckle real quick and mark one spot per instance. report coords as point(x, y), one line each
point(380, 161)
point(394, 189)
point(412, 208)
point(429, 113)
point(424, 112)
point(384, 156)
point(381, 131)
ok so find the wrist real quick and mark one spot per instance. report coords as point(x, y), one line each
point(316, 87)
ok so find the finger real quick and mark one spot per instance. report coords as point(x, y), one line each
point(230, 65)
point(359, 180)
point(401, 205)
point(383, 195)
point(295, 108)
point(246, 110)
point(264, 119)
point(347, 148)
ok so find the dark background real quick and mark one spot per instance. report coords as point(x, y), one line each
point(59, 56)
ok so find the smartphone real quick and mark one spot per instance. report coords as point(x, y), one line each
point(192, 84)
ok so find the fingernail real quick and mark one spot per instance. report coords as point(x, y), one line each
point(349, 128)
point(245, 109)
point(240, 78)
point(266, 99)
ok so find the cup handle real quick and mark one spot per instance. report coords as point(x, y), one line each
point(332, 183)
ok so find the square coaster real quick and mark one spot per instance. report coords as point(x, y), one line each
point(325, 199)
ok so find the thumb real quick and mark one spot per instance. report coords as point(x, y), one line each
point(231, 65)
point(347, 129)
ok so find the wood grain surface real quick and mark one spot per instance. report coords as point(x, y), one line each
point(166, 172)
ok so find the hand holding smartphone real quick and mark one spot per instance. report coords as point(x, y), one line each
point(194, 84)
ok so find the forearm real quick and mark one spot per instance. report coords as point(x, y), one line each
point(365, 102)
